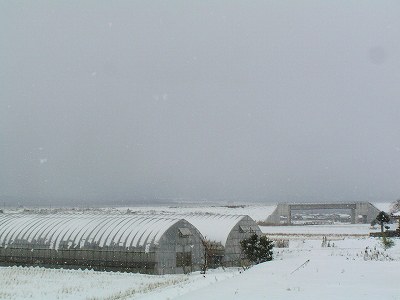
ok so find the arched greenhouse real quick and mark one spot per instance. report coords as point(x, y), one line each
point(145, 244)
point(223, 234)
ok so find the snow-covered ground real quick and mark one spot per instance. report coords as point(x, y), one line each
point(339, 230)
point(353, 267)
point(327, 273)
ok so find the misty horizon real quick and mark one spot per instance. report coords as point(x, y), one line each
point(267, 102)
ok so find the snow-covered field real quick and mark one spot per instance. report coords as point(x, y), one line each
point(356, 267)
point(256, 212)
point(336, 231)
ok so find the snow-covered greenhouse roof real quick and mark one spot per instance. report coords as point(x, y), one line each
point(79, 230)
point(212, 226)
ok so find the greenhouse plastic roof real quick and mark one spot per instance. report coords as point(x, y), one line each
point(213, 227)
point(79, 230)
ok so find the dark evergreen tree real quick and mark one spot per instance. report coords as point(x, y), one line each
point(382, 218)
point(257, 249)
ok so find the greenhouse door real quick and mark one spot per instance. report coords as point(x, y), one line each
point(184, 260)
point(184, 250)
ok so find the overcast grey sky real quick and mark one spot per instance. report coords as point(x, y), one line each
point(219, 100)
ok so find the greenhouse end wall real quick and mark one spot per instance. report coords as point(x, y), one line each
point(180, 253)
point(242, 230)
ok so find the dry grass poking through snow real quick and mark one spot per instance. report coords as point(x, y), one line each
point(42, 283)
